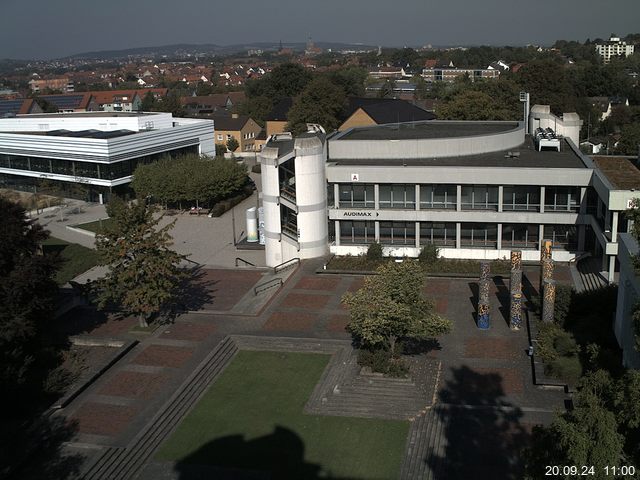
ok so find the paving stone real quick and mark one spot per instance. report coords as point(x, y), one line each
point(338, 323)
point(304, 300)
point(188, 331)
point(290, 322)
point(133, 384)
point(164, 355)
point(103, 419)
point(318, 283)
point(492, 347)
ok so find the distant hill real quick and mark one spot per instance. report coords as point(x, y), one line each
point(208, 49)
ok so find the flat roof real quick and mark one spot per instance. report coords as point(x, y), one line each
point(87, 114)
point(528, 157)
point(620, 171)
point(99, 134)
point(427, 130)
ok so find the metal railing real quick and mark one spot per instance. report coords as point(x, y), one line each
point(246, 262)
point(274, 282)
point(285, 265)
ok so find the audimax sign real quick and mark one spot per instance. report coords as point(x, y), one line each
point(360, 214)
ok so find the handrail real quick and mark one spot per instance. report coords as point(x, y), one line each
point(267, 285)
point(582, 256)
point(243, 261)
point(285, 265)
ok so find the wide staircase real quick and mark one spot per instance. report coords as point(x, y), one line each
point(118, 463)
point(590, 275)
point(426, 445)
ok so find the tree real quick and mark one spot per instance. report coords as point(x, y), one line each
point(232, 144)
point(386, 89)
point(320, 102)
point(548, 84)
point(148, 103)
point(27, 298)
point(390, 306)
point(170, 104)
point(220, 150)
point(629, 143)
point(352, 80)
point(473, 105)
point(143, 275)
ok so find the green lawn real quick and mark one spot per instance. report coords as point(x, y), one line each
point(76, 259)
point(252, 418)
point(96, 226)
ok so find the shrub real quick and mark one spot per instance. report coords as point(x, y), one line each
point(374, 252)
point(564, 297)
point(217, 210)
point(565, 368)
point(545, 348)
point(428, 254)
point(564, 344)
point(380, 360)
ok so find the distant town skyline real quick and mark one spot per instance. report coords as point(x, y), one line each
point(48, 29)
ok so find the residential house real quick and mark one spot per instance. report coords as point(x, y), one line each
point(119, 100)
point(606, 105)
point(18, 106)
point(242, 128)
point(72, 102)
point(366, 112)
point(211, 104)
point(60, 83)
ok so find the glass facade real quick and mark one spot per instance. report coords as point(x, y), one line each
point(442, 197)
point(398, 233)
point(479, 197)
point(441, 234)
point(562, 199)
point(401, 196)
point(523, 198)
point(100, 171)
point(356, 195)
point(479, 235)
point(520, 236)
point(563, 236)
point(357, 233)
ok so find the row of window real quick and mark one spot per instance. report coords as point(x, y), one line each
point(444, 197)
point(444, 234)
point(104, 171)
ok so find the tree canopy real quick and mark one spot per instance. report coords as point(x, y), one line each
point(144, 274)
point(390, 306)
point(320, 102)
point(27, 299)
point(189, 179)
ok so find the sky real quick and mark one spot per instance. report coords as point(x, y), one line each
point(44, 29)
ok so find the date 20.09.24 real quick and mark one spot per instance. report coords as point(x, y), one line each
point(588, 470)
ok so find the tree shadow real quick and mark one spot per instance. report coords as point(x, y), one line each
point(415, 346)
point(528, 290)
point(503, 295)
point(279, 455)
point(474, 288)
point(482, 431)
point(193, 293)
point(28, 452)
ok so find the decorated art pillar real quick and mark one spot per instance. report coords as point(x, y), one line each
point(516, 260)
point(515, 314)
point(483, 296)
point(549, 301)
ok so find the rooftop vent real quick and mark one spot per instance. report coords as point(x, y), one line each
point(546, 138)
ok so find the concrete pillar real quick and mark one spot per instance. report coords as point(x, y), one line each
point(583, 200)
point(417, 197)
point(458, 235)
point(336, 195)
point(376, 196)
point(581, 237)
point(458, 199)
point(499, 239)
point(541, 202)
point(417, 234)
point(607, 220)
point(605, 261)
point(612, 268)
point(540, 236)
point(614, 227)
point(377, 230)
point(337, 227)
point(500, 200)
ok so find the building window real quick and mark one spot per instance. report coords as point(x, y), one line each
point(479, 235)
point(439, 197)
point(220, 136)
point(228, 137)
point(356, 195)
point(479, 197)
point(562, 199)
point(563, 236)
point(357, 233)
point(442, 234)
point(397, 196)
point(398, 233)
point(520, 236)
point(525, 198)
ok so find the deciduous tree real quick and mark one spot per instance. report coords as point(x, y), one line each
point(390, 306)
point(144, 274)
point(320, 102)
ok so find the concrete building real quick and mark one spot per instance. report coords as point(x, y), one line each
point(91, 155)
point(628, 298)
point(614, 47)
point(475, 189)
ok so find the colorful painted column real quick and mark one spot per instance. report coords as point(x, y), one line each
point(545, 253)
point(516, 260)
point(549, 301)
point(483, 296)
point(515, 317)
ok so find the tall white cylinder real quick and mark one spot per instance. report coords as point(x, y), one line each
point(252, 225)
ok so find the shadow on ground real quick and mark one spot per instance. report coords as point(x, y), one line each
point(279, 455)
point(483, 432)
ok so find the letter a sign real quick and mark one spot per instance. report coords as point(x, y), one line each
point(355, 177)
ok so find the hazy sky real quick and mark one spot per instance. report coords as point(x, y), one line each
point(55, 28)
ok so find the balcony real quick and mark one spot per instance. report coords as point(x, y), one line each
point(290, 230)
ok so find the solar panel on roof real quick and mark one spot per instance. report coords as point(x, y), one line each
point(10, 106)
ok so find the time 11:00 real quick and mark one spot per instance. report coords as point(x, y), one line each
point(589, 470)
